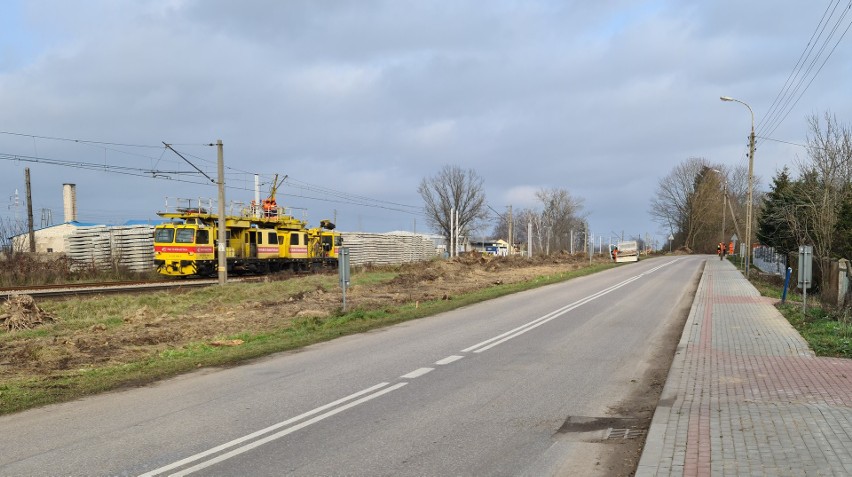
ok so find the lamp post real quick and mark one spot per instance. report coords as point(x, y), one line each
point(750, 182)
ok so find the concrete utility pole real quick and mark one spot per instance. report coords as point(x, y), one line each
point(458, 232)
point(750, 183)
point(30, 210)
point(571, 241)
point(722, 239)
point(223, 259)
point(510, 231)
point(450, 238)
point(529, 239)
point(724, 211)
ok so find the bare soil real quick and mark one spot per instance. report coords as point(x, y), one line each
point(137, 332)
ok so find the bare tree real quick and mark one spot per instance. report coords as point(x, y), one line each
point(561, 213)
point(690, 201)
point(454, 188)
point(12, 235)
point(825, 183)
point(676, 203)
point(519, 226)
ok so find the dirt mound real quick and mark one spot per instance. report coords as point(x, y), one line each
point(20, 312)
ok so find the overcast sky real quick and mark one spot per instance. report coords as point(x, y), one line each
point(366, 98)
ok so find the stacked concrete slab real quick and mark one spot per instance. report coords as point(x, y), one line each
point(132, 246)
point(387, 249)
point(101, 247)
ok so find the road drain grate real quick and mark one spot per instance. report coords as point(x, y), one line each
point(621, 434)
point(604, 429)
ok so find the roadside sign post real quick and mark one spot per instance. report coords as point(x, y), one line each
point(343, 271)
point(805, 273)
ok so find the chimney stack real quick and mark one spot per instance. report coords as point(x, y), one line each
point(69, 202)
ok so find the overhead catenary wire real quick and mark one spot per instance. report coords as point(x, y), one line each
point(190, 163)
point(327, 194)
point(184, 154)
point(81, 141)
point(154, 174)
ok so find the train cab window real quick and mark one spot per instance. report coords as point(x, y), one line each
point(185, 236)
point(294, 239)
point(273, 238)
point(202, 237)
point(164, 235)
point(338, 241)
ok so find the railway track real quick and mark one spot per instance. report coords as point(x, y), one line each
point(94, 288)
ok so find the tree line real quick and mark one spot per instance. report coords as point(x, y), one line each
point(808, 205)
point(457, 192)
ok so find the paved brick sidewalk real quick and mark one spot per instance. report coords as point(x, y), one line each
point(745, 395)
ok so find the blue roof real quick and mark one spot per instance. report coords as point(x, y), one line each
point(145, 221)
point(79, 224)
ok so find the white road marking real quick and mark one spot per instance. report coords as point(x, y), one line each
point(417, 373)
point(261, 432)
point(379, 391)
point(502, 338)
point(448, 360)
point(280, 434)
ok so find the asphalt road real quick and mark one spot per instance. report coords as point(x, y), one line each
point(483, 390)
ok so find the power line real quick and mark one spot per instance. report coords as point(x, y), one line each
point(783, 142)
point(802, 57)
point(813, 77)
point(785, 102)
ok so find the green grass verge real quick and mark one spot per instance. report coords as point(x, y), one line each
point(21, 394)
point(828, 332)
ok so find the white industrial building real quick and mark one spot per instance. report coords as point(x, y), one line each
point(91, 244)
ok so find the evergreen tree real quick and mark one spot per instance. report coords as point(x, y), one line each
point(843, 233)
point(773, 225)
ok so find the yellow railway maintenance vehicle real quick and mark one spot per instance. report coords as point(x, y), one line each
point(259, 239)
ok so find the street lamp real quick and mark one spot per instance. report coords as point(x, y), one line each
point(750, 182)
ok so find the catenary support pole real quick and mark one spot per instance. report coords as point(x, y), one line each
point(223, 260)
point(257, 196)
point(30, 228)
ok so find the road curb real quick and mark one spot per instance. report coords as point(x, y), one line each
point(651, 461)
